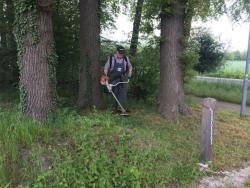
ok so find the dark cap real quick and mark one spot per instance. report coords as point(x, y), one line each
point(120, 49)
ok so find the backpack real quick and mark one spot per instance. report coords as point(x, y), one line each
point(110, 61)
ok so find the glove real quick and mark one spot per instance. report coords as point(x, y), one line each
point(109, 88)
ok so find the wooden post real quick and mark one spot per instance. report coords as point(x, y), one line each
point(207, 128)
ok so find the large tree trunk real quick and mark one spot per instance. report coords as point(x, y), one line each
point(37, 68)
point(89, 88)
point(136, 28)
point(171, 98)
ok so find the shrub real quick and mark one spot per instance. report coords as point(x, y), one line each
point(211, 52)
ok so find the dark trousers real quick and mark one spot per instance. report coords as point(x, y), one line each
point(120, 92)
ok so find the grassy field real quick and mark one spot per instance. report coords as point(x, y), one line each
point(221, 91)
point(231, 69)
point(99, 149)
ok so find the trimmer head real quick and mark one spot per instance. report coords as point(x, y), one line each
point(125, 114)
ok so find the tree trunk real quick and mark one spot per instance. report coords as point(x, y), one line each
point(89, 88)
point(136, 28)
point(37, 68)
point(171, 96)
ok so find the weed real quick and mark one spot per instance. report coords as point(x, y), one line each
point(98, 149)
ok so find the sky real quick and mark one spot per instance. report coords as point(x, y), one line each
point(233, 35)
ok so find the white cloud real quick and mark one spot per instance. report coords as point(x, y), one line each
point(235, 35)
point(124, 28)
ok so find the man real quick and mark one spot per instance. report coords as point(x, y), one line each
point(118, 67)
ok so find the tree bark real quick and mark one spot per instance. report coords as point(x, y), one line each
point(35, 70)
point(171, 98)
point(90, 69)
point(136, 28)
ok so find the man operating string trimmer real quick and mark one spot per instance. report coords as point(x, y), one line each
point(118, 67)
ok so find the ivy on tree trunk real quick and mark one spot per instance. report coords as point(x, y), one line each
point(36, 57)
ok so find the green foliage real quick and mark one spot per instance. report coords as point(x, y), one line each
point(8, 68)
point(146, 73)
point(210, 52)
point(150, 16)
point(247, 185)
point(190, 59)
point(66, 18)
point(109, 10)
point(240, 10)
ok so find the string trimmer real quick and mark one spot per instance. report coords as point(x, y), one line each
point(105, 81)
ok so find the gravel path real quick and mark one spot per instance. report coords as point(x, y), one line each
point(225, 105)
point(226, 179)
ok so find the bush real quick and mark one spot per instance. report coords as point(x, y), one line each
point(146, 73)
point(9, 74)
point(211, 52)
point(190, 58)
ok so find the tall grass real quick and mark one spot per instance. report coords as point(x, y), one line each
point(99, 149)
point(96, 149)
point(16, 133)
point(221, 91)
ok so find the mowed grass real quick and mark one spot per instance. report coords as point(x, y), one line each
point(99, 149)
point(221, 91)
point(231, 69)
